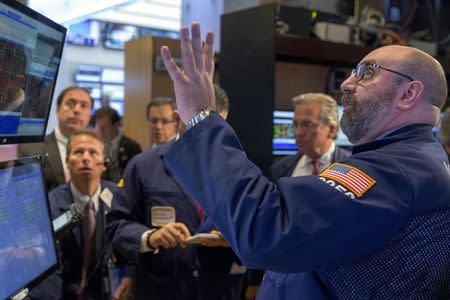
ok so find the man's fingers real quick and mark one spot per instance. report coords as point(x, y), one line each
point(209, 53)
point(174, 72)
point(187, 56)
point(167, 240)
point(175, 233)
point(197, 46)
point(183, 230)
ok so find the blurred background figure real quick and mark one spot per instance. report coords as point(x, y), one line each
point(119, 148)
point(106, 99)
point(316, 124)
point(163, 120)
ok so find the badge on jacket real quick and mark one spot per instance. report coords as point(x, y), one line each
point(162, 215)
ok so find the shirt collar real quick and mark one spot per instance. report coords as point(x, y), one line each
point(115, 141)
point(83, 199)
point(324, 160)
point(60, 137)
point(174, 137)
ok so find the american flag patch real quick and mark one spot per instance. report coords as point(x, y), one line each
point(352, 178)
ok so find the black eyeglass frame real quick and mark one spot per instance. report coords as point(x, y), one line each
point(365, 64)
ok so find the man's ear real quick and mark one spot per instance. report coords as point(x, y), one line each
point(332, 132)
point(176, 117)
point(411, 95)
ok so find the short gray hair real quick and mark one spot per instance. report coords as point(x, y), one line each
point(328, 113)
point(444, 130)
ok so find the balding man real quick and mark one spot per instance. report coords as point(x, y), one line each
point(375, 226)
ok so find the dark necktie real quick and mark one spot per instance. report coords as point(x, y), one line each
point(89, 241)
point(315, 167)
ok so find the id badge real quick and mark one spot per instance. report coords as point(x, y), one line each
point(162, 215)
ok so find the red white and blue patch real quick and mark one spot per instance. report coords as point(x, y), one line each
point(350, 177)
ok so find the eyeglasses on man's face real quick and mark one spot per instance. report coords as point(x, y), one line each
point(156, 121)
point(304, 125)
point(366, 70)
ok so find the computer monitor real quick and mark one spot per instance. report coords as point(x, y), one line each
point(113, 75)
point(283, 142)
point(30, 53)
point(86, 33)
point(116, 35)
point(27, 246)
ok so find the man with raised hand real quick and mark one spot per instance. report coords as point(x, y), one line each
point(373, 226)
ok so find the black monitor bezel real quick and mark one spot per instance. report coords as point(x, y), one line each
point(25, 161)
point(17, 139)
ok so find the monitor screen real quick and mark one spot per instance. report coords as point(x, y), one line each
point(88, 73)
point(86, 33)
point(30, 53)
point(146, 31)
point(27, 246)
point(116, 35)
point(111, 75)
point(115, 92)
point(117, 105)
point(93, 88)
point(283, 142)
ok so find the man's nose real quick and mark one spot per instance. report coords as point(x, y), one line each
point(349, 85)
point(86, 156)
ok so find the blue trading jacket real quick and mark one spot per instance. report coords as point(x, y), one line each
point(147, 183)
point(392, 242)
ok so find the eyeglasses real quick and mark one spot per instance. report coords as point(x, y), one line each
point(155, 121)
point(305, 125)
point(363, 70)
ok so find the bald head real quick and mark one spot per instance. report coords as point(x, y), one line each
point(424, 68)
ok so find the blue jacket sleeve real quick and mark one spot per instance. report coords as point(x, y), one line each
point(125, 219)
point(302, 223)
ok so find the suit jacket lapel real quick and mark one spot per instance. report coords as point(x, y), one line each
point(54, 160)
point(292, 163)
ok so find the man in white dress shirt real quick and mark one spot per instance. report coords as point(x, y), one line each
point(316, 125)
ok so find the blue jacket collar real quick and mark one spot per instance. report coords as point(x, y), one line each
point(422, 131)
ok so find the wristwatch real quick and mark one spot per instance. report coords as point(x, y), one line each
point(203, 114)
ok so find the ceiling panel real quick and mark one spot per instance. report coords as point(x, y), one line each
point(161, 14)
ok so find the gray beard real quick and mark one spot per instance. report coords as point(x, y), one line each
point(364, 114)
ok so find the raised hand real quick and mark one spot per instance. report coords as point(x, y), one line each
point(194, 84)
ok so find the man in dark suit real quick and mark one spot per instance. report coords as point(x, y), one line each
point(316, 125)
point(73, 112)
point(86, 250)
point(119, 148)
